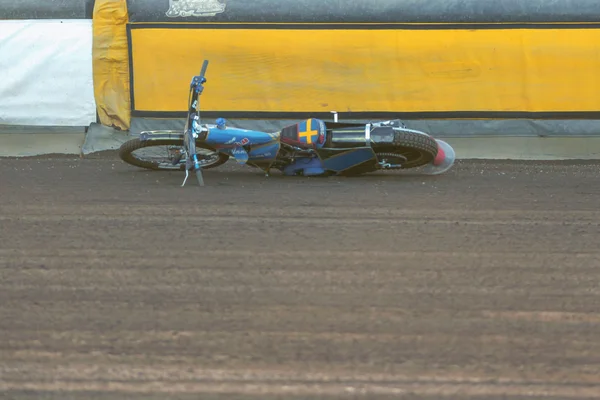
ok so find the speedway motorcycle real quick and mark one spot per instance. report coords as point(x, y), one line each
point(312, 147)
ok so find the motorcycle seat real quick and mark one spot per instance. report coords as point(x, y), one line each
point(310, 133)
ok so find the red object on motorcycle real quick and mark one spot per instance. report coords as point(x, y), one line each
point(443, 161)
point(441, 156)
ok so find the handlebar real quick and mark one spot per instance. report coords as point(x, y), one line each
point(199, 80)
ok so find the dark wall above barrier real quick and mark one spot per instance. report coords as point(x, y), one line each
point(348, 11)
point(46, 9)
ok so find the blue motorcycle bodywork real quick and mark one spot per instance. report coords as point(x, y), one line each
point(260, 149)
point(234, 142)
point(263, 149)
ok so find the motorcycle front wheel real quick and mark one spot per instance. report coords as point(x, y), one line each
point(165, 154)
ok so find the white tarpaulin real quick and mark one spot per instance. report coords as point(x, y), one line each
point(46, 73)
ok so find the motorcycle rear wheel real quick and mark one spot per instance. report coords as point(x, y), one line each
point(169, 151)
point(417, 148)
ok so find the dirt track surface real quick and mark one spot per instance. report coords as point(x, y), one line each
point(115, 283)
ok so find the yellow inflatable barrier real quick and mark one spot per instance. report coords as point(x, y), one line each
point(111, 63)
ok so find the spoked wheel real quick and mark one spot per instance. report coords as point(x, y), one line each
point(166, 154)
point(410, 150)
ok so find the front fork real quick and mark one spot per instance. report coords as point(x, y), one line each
point(192, 161)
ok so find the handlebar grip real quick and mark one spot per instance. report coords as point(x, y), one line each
point(204, 68)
